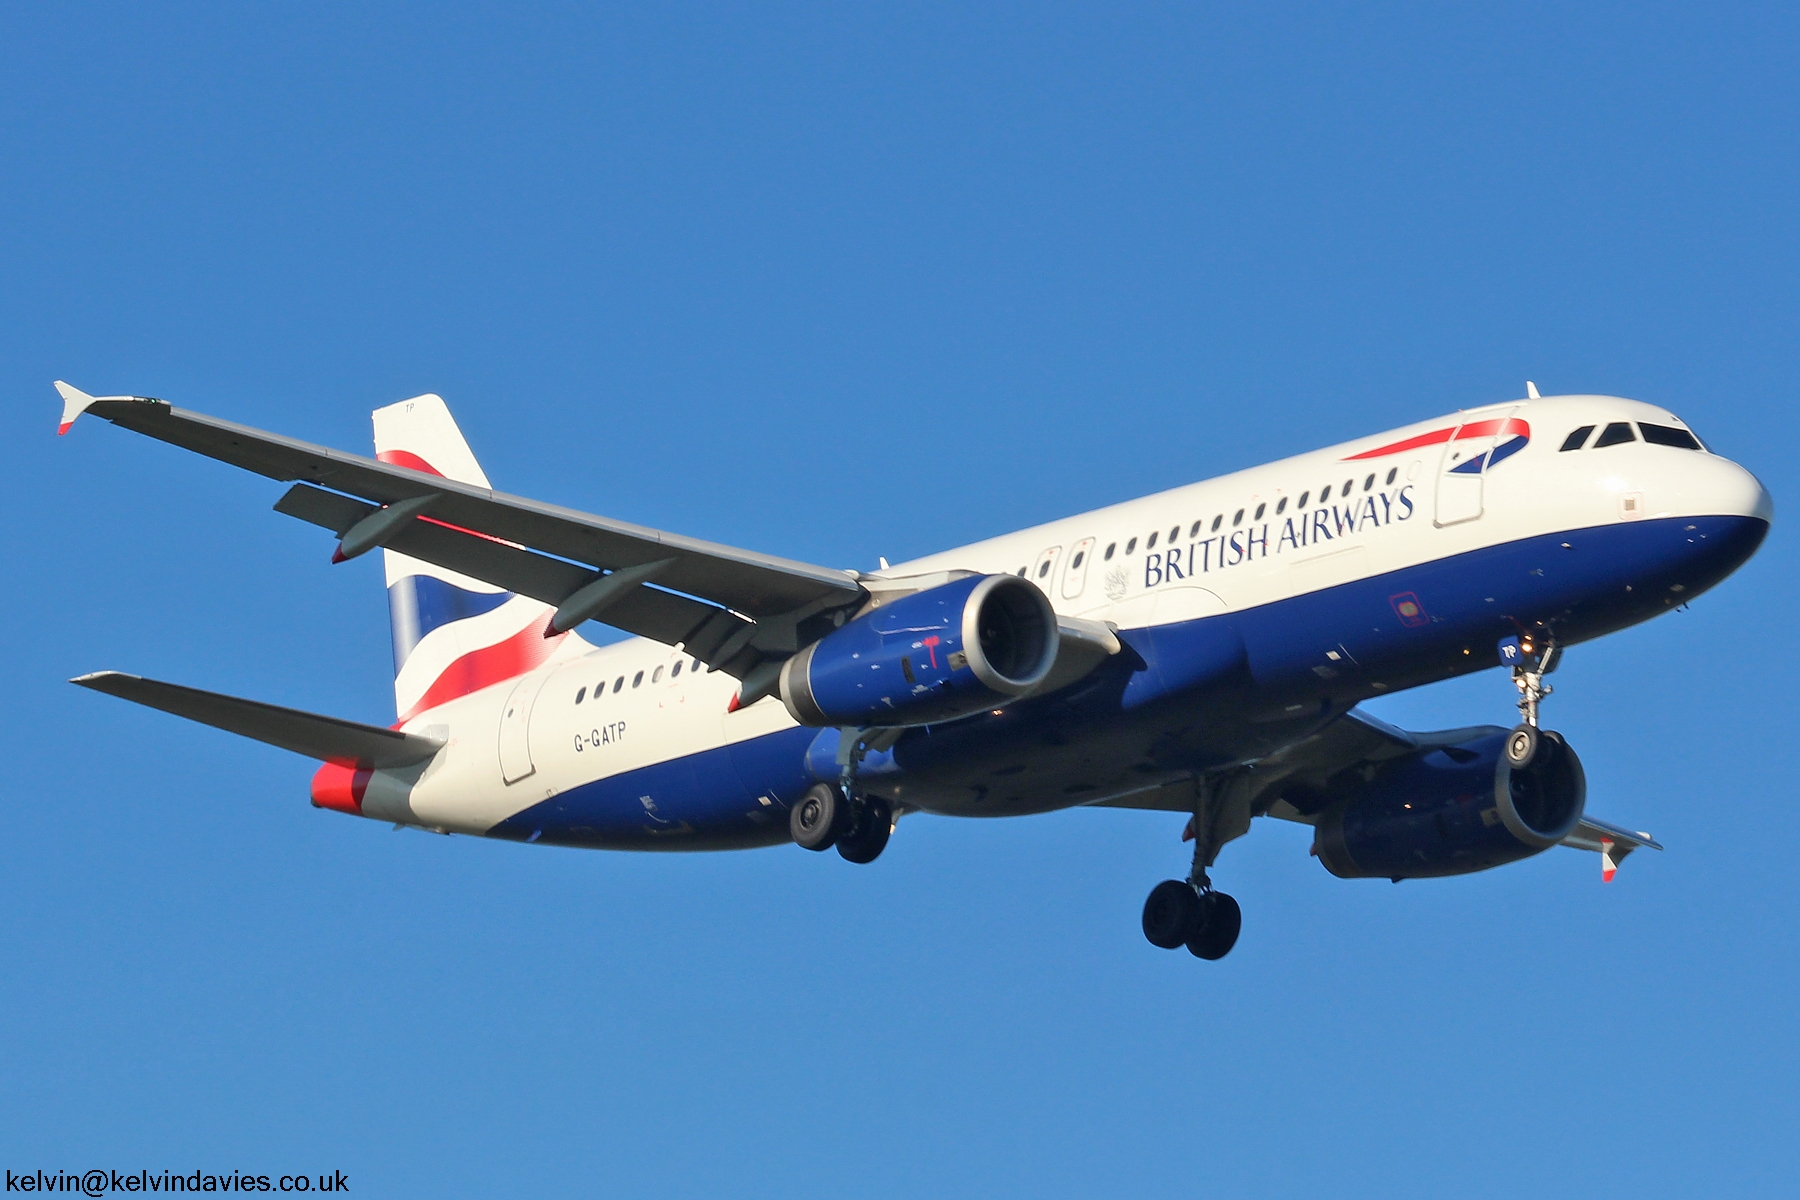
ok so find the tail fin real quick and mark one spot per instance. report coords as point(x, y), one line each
point(452, 634)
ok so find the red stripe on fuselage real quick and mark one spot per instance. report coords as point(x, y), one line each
point(1437, 437)
point(522, 652)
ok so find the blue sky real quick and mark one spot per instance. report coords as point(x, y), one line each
point(837, 282)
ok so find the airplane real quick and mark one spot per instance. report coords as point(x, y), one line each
point(1200, 651)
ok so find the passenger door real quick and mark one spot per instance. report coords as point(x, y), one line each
point(1463, 469)
point(515, 728)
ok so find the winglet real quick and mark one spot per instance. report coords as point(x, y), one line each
point(76, 402)
point(1612, 841)
point(1531, 392)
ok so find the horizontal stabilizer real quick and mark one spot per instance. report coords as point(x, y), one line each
point(1612, 842)
point(348, 743)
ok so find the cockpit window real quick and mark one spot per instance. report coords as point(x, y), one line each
point(1615, 434)
point(1668, 435)
point(1578, 439)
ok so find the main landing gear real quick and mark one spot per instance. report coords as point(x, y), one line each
point(1179, 914)
point(829, 815)
point(1190, 913)
point(1530, 663)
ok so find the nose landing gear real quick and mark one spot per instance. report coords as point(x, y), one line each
point(1190, 913)
point(1530, 663)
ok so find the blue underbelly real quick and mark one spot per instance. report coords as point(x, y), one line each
point(1183, 696)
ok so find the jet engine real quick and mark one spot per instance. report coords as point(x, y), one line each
point(1451, 810)
point(934, 655)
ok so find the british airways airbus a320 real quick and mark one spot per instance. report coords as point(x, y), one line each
point(1198, 651)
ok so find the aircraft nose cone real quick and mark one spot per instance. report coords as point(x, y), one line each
point(1745, 495)
point(1765, 504)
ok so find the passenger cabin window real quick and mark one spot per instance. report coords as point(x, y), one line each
point(1393, 474)
point(1324, 493)
point(637, 679)
point(1021, 572)
point(619, 684)
point(1578, 439)
point(1110, 547)
point(1131, 545)
point(656, 675)
point(1260, 509)
point(1194, 532)
point(1044, 568)
point(674, 670)
point(696, 665)
point(1369, 484)
point(1151, 543)
point(580, 695)
point(1618, 433)
point(1217, 521)
point(1238, 519)
point(1079, 555)
point(1345, 490)
point(1281, 507)
point(1668, 435)
point(1174, 533)
point(1303, 498)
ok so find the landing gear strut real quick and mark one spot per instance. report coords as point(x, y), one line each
point(1530, 664)
point(1190, 913)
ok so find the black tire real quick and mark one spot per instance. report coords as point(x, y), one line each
point(1171, 914)
point(868, 837)
point(818, 817)
point(1522, 747)
point(1220, 924)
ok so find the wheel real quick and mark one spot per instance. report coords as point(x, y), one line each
point(1521, 747)
point(1221, 920)
point(818, 818)
point(868, 837)
point(1171, 914)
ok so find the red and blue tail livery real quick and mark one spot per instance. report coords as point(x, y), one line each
point(453, 635)
point(1201, 652)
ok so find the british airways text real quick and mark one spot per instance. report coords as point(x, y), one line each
point(1323, 524)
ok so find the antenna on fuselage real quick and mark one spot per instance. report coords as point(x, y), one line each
point(1531, 391)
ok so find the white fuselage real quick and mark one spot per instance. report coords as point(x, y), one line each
point(1226, 545)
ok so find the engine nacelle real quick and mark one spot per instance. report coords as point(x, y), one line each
point(1452, 810)
point(934, 655)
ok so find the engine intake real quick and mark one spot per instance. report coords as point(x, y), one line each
point(1452, 810)
point(934, 655)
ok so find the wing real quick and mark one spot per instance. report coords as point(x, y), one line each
point(1285, 782)
point(732, 608)
point(329, 739)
